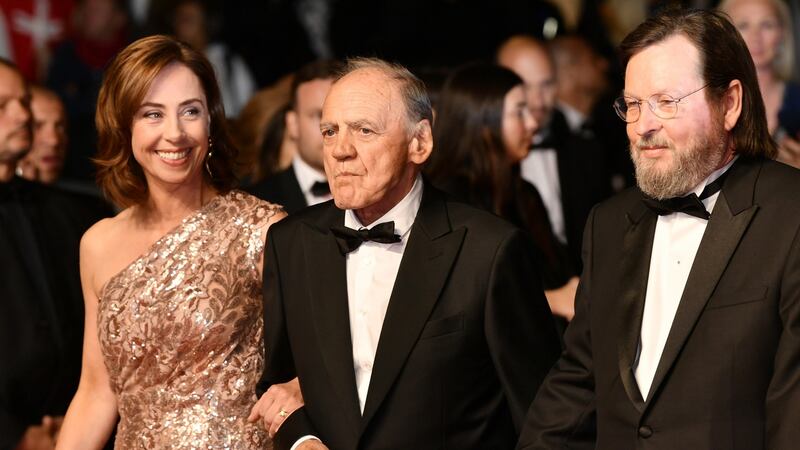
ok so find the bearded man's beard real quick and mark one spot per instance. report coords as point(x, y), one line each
point(687, 166)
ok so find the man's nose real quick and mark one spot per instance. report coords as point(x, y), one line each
point(648, 122)
point(343, 147)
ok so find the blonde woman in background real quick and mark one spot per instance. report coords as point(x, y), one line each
point(766, 27)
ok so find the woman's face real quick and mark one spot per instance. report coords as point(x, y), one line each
point(170, 130)
point(518, 124)
point(760, 27)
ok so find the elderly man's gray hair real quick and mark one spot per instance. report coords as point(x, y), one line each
point(412, 89)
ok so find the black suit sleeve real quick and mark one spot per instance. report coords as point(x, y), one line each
point(783, 394)
point(279, 363)
point(563, 412)
point(519, 327)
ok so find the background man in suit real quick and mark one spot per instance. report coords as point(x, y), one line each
point(685, 333)
point(303, 183)
point(568, 169)
point(426, 326)
point(41, 311)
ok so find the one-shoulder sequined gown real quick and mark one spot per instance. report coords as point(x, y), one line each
point(181, 332)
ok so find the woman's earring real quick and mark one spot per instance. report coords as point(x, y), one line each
point(208, 157)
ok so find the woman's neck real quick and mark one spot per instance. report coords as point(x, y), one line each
point(167, 206)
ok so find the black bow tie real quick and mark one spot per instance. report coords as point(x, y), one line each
point(349, 239)
point(320, 188)
point(690, 204)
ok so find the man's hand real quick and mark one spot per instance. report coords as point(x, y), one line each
point(41, 437)
point(312, 444)
point(276, 404)
point(562, 300)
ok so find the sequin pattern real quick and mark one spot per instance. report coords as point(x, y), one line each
point(181, 331)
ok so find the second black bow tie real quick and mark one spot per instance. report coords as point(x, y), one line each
point(320, 188)
point(690, 204)
point(349, 239)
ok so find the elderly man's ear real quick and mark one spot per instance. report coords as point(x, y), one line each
point(421, 145)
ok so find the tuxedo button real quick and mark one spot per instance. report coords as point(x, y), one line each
point(645, 432)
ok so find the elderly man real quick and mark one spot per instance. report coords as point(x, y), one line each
point(686, 327)
point(303, 183)
point(41, 312)
point(425, 326)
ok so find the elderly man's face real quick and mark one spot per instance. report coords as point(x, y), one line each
point(15, 116)
point(672, 156)
point(367, 143)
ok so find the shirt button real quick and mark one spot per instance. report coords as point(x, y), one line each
point(645, 432)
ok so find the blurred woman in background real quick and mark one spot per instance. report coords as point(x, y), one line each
point(766, 27)
point(483, 129)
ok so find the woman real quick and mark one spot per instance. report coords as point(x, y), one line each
point(172, 284)
point(483, 130)
point(766, 27)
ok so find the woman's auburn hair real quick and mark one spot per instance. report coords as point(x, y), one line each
point(125, 85)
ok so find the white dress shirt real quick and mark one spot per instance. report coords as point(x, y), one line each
point(540, 168)
point(371, 272)
point(306, 177)
point(675, 243)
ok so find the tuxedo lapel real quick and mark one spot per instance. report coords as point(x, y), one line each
point(637, 249)
point(732, 214)
point(429, 255)
point(329, 306)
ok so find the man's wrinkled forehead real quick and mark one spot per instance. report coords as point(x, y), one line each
point(364, 91)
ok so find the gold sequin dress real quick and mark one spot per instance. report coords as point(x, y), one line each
point(181, 332)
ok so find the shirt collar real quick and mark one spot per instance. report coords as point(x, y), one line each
point(575, 119)
point(306, 175)
point(402, 214)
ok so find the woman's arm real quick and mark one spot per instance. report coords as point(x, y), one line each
point(92, 413)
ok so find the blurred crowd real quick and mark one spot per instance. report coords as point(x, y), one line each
point(256, 47)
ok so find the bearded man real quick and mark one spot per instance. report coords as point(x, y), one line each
point(687, 325)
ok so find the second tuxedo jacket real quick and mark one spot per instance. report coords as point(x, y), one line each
point(728, 377)
point(466, 341)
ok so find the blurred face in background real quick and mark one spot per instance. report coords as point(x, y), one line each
point(15, 116)
point(518, 124)
point(761, 28)
point(46, 157)
point(302, 122)
point(532, 63)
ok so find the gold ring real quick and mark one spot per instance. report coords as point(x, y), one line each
point(283, 413)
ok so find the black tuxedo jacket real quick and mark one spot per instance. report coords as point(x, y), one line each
point(281, 188)
point(584, 178)
point(41, 303)
point(729, 375)
point(466, 341)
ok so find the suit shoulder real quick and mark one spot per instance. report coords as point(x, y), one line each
point(319, 216)
point(473, 218)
